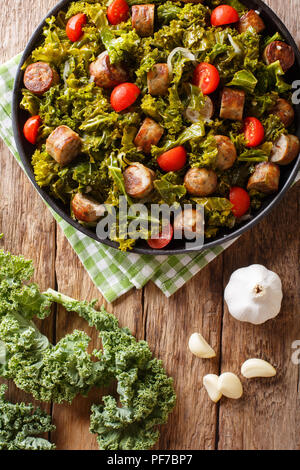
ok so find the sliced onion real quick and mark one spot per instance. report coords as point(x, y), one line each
point(204, 114)
point(235, 46)
point(66, 72)
point(185, 52)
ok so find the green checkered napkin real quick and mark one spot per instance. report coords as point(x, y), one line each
point(112, 271)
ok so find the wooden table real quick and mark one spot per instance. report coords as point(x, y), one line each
point(268, 415)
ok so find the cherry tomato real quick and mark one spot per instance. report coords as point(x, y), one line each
point(123, 96)
point(206, 77)
point(254, 132)
point(31, 129)
point(74, 27)
point(117, 12)
point(224, 14)
point(172, 160)
point(240, 200)
point(164, 239)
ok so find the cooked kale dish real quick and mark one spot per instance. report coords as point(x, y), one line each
point(160, 102)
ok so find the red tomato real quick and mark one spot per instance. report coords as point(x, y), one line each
point(173, 160)
point(117, 11)
point(240, 200)
point(254, 131)
point(74, 27)
point(123, 96)
point(206, 77)
point(224, 14)
point(31, 129)
point(164, 239)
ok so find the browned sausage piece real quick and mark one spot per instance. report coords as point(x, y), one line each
point(138, 180)
point(189, 222)
point(143, 19)
point(226, 152)
point(232, 104)
point(251, 18)
point(148, 135)
point(86, 209)
point(285, 149)
point(158, 80)
point(265, 178)
point(200, 181)
point(285, 111)
point(40, 77)
point(63, 145)
point(105, 74)
point(281, 51)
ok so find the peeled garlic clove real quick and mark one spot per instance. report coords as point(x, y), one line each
point(230, 385)
point(200, 347)
point(257, 368)
point(210, 382)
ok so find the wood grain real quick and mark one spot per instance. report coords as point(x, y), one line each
point(267, 417)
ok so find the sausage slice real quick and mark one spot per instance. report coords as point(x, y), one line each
point(148, 135)
point(63, 145)
point(265, 178)
point(251, 18)
point(232, 104)
point(105, 74)
point(143, 19)
point(138, 180)
point(281, 51)
point(285, 149)
point(285, 111)
point(200, 181)
point(189, 222)
point(40, 77)
point(226, 152)
point(86, 209)
point(158, 80)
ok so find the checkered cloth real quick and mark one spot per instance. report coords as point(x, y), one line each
point(112, 271)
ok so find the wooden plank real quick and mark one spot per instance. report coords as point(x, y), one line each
point(28, 227)
point(197, 307)
point(267, 417)
point(72, 421)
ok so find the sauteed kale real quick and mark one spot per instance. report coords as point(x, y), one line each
point(163, 102)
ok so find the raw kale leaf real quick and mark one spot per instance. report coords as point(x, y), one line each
point(21, 424)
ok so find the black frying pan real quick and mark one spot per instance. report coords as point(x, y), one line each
point(25, 149)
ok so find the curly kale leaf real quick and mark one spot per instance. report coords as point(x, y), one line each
point(145, 391)
point(60, 372)
point(21, 424)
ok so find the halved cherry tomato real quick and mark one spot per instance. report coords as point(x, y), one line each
point(117, 12)
point(206, 77)
point(240, 200)
point(254, 132)
point(123, 96)
point(224, 14)
point(172, 160)
point(31, 129)
point(164, 239)
point(74, 27)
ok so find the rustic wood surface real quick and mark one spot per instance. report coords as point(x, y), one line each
point(268, 416)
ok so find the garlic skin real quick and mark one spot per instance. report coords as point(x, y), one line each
point(253, 294)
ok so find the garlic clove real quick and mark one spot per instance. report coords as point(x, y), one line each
point(230, 385)
point(257, 368)
point(210, 382)
point(199, 347)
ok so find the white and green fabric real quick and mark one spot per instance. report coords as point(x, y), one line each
point(112, 271)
